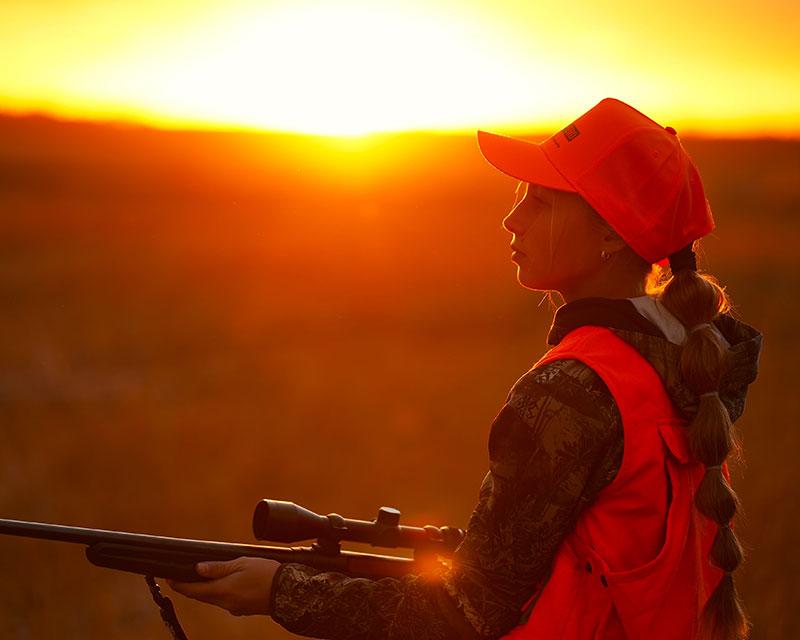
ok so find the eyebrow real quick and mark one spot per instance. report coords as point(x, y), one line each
point(537, 193)
point(537, 196)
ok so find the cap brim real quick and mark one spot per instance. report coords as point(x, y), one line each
point(522, 160)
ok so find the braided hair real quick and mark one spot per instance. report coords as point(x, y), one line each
point(696, 299)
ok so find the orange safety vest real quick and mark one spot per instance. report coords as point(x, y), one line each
point(635, 566)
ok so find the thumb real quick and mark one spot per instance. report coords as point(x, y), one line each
point(216, 568)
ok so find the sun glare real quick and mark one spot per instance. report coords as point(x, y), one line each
point(357, 67)
point(333, 70)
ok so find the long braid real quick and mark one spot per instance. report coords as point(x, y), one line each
point(696, 299)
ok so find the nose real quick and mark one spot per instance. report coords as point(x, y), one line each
point(511, 222)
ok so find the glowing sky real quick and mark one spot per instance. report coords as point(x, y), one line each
point(360, 66)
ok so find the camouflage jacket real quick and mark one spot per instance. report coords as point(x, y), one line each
point(553, 446)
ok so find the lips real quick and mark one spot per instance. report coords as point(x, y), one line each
point(517, 250)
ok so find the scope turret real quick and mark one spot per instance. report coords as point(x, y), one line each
point(280, 521)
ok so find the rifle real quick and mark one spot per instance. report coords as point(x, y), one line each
point(273, 520)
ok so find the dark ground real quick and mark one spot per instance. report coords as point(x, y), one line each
point(194, 321)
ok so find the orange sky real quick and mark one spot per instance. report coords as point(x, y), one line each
point(361, 66)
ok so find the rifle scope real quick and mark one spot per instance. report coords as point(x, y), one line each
point(280, 521)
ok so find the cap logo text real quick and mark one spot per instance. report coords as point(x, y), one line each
point(571, 132)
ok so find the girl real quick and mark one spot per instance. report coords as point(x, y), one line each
point(607, 510)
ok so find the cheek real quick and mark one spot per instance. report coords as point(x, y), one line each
point(539, 269)
point(561, 252)
point(542, 234)
point(581, 258)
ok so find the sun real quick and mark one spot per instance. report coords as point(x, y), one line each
point(332, 69)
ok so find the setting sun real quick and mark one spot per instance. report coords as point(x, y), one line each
point(335, 70)
point(357, 67)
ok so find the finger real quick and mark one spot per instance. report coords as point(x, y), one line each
point(219, 574)
point(184, 588)
point(216, 568)
point(244, 590)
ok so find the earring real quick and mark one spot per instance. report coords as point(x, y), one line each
point(604, 256)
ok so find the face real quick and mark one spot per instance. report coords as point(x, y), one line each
point(556, 240)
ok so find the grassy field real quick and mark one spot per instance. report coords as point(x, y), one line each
point(195, 321)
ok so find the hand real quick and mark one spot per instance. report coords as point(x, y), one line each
point(241, 586)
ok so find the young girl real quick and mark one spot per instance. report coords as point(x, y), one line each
point(607, 510)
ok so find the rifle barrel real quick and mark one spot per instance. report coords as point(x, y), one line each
point(87, 536)
point(149, 554)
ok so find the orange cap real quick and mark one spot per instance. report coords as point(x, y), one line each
point(631, 170)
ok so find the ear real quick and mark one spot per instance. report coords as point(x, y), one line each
point(612, 242)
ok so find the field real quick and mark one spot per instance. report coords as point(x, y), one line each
point(194, 321)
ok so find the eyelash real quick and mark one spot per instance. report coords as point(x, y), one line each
point(536, 200)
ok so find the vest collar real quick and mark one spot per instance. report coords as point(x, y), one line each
point(599, 312)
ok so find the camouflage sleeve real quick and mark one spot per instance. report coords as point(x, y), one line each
point(557, 441)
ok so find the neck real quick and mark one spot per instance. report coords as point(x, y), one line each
point(609, 281)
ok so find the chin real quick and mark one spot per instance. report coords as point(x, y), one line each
point(529, 282)
point(535, 284)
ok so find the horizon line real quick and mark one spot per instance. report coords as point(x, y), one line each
point(198, 126)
